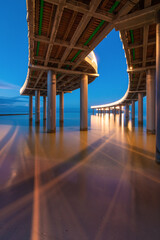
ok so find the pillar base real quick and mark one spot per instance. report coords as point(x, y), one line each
point(140, 123)
point(30, 121)
point(157, 156)
point(151, 131)
point(83, 129)
point(51, 131)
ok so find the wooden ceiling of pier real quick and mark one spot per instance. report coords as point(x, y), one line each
point(63, 32)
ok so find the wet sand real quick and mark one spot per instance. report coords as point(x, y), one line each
point(72, 185)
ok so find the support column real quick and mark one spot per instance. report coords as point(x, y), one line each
point(93, 111)
point(120, 109)
point(51, 106)
point(44, 108)
point(133, 109)
point(61, 106)
point(109, 110)
point(30, 107)
point(120, 114)
point(37, 106)
point(150, 88)
point(140, 107)
point(84, 103)
point(127, 110)
point(158, 88)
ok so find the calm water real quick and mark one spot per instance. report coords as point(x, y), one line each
point(98, 184)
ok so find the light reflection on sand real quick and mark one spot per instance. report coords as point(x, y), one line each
point(100, 184)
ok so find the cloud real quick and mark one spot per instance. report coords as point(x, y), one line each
point(13, 100)
point(17, 104)
point(5, 85)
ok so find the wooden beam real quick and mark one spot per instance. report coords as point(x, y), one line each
point(138, 61)
point(126, 8)
point(55, 27)
point(130, 99)
point(127, 53)
point(82, 25)
point(59, 42)
point(84, 9)
point(72, 72)
point(137, 91)
point(38, 79)
point(70, 44)
point(42, 59)
point(138, 18)
point(145, 42)
point(45, 89)
point(147, 3)
point(142, 69)
point(138, 45)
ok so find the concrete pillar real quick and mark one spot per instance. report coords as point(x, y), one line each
point(120, 114)
point(109, 110)
point(84, 103)
point(37, 106)
point(98, 110)
point(51, 105)
point(158, 88)
point(30, 107)
point(120, 109)
point(133, 109)
point(150, 89)
point(140, 107)
point(127, 110)
point(44, 108)
point(61, 106)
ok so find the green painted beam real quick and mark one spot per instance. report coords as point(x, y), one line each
point(40, 24)
point(114, 6)
point(94, 33)
point(41, 17)
point(132, 40)
point(40, 28)
point(96, 30)
point(79, 51)
point(133, 50)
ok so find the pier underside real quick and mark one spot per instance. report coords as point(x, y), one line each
point(97, 184)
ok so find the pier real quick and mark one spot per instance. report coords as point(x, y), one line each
point(92, 174)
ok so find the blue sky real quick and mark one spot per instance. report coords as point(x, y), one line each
point(109, 86)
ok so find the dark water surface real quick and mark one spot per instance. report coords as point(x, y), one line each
point(98, 184)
